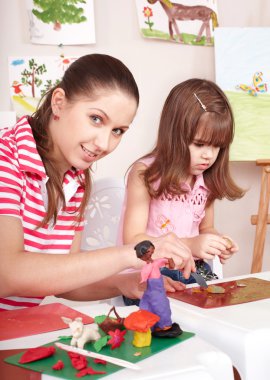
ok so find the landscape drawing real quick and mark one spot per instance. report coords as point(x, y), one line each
point(31, 77)
point(242, 57)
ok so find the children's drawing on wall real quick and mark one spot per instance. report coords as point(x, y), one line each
point(61, 22)
point(184, 21)
point(31, 77)
point(243, 71)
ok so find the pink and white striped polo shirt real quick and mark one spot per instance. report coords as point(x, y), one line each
point(23, 195)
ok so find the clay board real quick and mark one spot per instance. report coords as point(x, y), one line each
point(235, 293)
point(126, 352)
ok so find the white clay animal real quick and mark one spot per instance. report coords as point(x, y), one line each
point(81, 333)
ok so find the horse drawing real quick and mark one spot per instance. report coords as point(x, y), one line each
point(182, 12)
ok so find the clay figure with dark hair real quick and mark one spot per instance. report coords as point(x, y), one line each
point(154, 298)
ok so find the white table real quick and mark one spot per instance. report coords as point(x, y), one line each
point(191, 360)
point(242, 331)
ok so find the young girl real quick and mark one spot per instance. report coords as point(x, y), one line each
point(45, 187)
point(172, 189)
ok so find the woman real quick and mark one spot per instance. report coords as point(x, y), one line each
point(45, 187)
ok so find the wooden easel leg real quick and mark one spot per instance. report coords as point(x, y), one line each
point(261, 220)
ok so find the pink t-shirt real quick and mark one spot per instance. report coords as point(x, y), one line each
point(180, 214)
point(23, 195)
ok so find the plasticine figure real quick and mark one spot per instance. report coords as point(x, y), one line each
point(154, 298)
point(81, 333)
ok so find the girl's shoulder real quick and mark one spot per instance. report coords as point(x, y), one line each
point(147, 161)
point(140, 165)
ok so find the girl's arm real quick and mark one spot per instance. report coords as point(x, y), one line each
point(137, 207)
point(207, 224)
point(135, 224)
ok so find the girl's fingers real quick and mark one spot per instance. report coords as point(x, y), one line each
point(213, 252)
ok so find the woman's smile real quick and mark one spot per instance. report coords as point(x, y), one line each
point(88, 152)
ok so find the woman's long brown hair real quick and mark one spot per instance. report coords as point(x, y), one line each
point(83, 78)
point(182, 118)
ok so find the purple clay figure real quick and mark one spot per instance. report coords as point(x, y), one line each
point(154, 298)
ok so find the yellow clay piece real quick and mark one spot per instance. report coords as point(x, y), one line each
point(142, 339)
point(228, 242)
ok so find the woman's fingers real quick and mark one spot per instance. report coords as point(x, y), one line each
point(171, 247)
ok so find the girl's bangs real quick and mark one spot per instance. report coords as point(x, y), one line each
point(215, 129)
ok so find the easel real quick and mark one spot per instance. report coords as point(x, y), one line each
point(263, 218)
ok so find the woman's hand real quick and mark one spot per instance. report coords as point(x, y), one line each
point(129, 284)
point(171, 247)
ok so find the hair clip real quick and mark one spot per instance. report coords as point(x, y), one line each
point(201, 103)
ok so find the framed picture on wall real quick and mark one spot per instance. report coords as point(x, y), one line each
point(242, 58)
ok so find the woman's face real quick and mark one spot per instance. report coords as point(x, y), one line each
point(88, 130)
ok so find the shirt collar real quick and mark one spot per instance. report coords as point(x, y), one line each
point(28, 156)
point(72, 180)
point(199, 182)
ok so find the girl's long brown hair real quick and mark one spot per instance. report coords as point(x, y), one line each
point(83, 78)
point(181, 119)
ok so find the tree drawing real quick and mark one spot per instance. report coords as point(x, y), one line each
point(48, 85)
point(31, 76)
point(59, 12)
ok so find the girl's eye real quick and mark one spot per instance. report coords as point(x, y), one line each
point(198, 144)
point(96, 119)
point(118, 131)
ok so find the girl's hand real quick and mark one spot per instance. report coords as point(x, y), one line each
point(171, 247)
point(207, 246)
point(231, 248)
point(172, 286)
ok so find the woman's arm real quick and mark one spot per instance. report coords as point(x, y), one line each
point(40, 274)
point(127, 284)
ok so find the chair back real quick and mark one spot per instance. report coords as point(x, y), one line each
point(7, 119)
point(103, 213)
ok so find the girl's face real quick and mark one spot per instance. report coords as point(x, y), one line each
point(202, 157)
point(88, 130)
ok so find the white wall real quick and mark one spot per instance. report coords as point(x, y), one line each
point(157, 67)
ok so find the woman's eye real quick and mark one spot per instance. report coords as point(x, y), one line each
point(96, 119)
point(118, 131)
